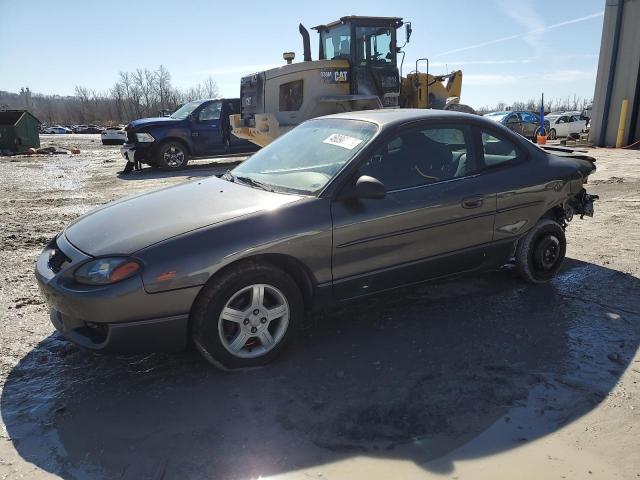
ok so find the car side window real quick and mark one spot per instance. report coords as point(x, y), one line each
point(575, 118)
point(562, 120)
point(422, 156)
point(210, 112)
point(513, 118)
point(497, 150)
point(527, 117)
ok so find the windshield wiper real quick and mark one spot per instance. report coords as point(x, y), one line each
point(229, 176)
point(255, 183)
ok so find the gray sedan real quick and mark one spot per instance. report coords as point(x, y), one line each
point(340, 207)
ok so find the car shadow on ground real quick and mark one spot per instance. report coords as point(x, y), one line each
point(413, 374)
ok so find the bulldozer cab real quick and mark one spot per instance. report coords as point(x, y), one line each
point(369, 45)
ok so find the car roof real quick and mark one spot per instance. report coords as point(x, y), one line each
point(395, 116)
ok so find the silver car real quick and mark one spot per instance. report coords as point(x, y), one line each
point(340, 207)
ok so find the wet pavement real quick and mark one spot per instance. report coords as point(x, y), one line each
point(414, 383)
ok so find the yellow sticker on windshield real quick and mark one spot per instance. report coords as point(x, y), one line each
point(344, 141)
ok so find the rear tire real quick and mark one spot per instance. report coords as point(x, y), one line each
point(540, 253)
point(226, 328)
point(172, 155)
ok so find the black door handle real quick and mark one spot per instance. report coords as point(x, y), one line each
point(472, 202)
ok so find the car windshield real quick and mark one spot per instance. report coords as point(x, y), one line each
point(186, 110)
point(552, 118)
point(497, 117)
point(304, 160)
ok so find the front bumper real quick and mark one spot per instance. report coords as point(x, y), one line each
point(114, 139)
point(121, 317)
point(154, 335)
point(134, 152)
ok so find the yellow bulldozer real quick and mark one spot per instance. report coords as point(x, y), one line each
point(357, 69)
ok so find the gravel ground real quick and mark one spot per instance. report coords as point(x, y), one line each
point(478, 377)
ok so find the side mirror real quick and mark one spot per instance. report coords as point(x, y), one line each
point(369, 187)
point(192, 118)
point(408, 31)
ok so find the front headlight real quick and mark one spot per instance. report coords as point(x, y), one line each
point(144, 137)
point(104, 271)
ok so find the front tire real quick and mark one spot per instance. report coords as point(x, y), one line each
point(540, 253)
point(246, 316)
point(172, 155)
point(552, 134)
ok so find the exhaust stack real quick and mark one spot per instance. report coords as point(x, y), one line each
point(306, 42)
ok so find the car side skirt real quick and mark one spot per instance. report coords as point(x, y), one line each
point(482, 257)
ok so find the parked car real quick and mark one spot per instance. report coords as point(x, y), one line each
point(88, 129)
point(114, 136)
point(340, 207)
point(565, 124)
point(199, 128)
point(57, 130)
point(526, 124)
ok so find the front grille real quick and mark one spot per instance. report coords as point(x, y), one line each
point(56, 259)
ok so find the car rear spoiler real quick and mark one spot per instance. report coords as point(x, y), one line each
point(568, 152)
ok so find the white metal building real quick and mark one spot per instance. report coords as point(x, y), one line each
point(618, 74)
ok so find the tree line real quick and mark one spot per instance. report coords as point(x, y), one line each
point(144, 93)
point(568, 103)
point(137, 94)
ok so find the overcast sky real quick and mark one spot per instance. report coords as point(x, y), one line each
point(508, 50)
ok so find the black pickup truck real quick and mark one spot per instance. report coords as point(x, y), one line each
point(198, 129)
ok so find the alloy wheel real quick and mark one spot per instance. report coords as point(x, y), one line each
point(174, 157)
point(253, 321)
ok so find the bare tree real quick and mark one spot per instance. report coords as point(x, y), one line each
point(569, 103)
point(163, 83)
point(210, 88)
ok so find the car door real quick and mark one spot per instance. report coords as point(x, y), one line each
point(577, 124)
point(521, 186)
point(562, 126)
point(205, 129)
point(433, 221)
point(514, 123)
point(231, 107)
point(529, 124)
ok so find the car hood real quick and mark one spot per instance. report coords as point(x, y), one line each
point(153, 121)
point(129, 225)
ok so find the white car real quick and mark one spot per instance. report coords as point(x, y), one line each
point(114, 136)
point(57, 130)
point(562, 125)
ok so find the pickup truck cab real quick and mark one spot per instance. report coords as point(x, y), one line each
point(197, 129)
